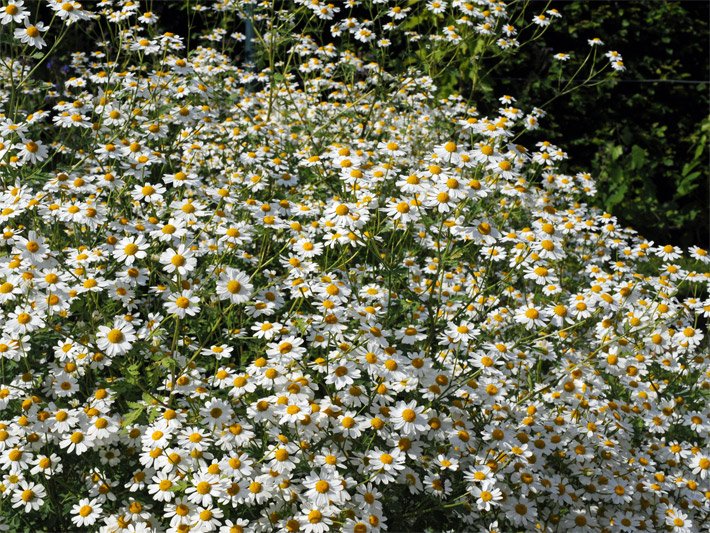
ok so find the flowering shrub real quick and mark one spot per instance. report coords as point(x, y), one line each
point(316, 297)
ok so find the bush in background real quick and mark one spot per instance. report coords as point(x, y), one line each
point(645, 141)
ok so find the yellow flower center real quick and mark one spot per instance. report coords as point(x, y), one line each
point(130, 249)
point(322, 486)
point(115, 336)
point(409, 415)
point(532, 313)
point(203, 487)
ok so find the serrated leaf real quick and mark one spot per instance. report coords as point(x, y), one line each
point(147, 398)
point(133, 415)
point(168, 362)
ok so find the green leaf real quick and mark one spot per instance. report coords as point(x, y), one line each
point(618, 194)
point(133, 370)
point(147, 398)
point(168, 362)
point(134, 414)
point(688, 183)
point(638, 157)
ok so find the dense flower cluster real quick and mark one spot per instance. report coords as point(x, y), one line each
point(235, 305)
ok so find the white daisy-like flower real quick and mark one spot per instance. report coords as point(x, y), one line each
point(233, 285)
point(28, 496)
point(408, 418)
point(86, 512)
point(183, 304)
point(486, 496)
point(116, 340)
point(32, 34)
point(129, 249)
point(205, 487)
point(14, 11)
point(530, 316)
point(181, 260)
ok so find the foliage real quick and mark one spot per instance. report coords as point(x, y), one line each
point(639, 135)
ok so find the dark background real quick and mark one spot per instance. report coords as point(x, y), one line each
point(645, 140)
